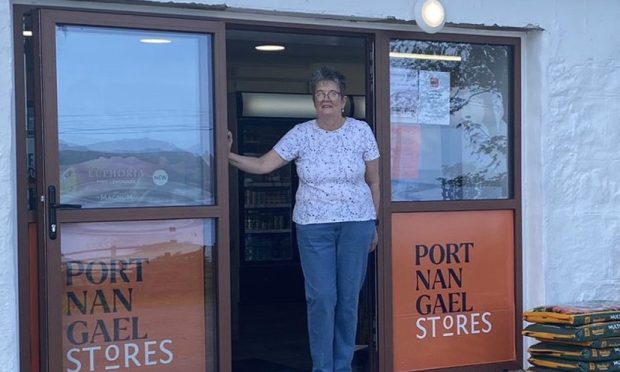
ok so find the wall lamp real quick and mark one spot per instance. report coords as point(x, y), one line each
point(430, 15)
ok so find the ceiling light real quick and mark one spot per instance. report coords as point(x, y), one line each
point(155, 41)
point(434, 57)
point(430, 15)
point(269, 48)
point(27, 33)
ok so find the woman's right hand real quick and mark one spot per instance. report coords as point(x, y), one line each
point(230, 140)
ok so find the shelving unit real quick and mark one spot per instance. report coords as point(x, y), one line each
point(269, 262)
point(266, 201)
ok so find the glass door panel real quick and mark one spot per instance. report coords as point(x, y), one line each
point(138, 294)
point(135, 117)
point(129, 122)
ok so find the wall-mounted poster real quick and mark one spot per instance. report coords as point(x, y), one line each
point(453, 289)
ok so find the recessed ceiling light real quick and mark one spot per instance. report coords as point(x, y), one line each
point(155, 41)
point(269, 48)
point(27, 33)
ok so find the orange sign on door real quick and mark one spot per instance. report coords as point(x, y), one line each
point(453, 289)
point(134, 302)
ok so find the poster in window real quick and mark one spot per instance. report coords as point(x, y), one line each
point(134, 296)
point(404, 128)
point(404, 96)
point(453, 289)
point(434, 98)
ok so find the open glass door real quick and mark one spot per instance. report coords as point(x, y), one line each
point(135, 203)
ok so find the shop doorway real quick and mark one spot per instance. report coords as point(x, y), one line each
point(268, 94)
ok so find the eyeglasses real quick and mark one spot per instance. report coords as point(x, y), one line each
point(331, 95)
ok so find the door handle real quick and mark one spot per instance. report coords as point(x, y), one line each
point(51, 211)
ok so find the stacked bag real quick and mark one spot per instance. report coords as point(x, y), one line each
point(580, 337)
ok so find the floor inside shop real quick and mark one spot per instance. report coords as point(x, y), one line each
point(275, 339)
point(272, 338)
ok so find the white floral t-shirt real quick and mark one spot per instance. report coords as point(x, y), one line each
point(331, 168)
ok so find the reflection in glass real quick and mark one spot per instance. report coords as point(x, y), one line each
point(30, 114)
point(135, 119)
point(138, 294)
point(450, 120)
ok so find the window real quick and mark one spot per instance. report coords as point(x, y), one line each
point(135, 130)
point(450, 113)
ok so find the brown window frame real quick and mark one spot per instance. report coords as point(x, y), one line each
point(389, 207)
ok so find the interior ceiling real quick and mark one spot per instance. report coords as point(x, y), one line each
point(300, 48)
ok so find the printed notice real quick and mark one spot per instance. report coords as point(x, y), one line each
point(434, 97)
point(404, 95)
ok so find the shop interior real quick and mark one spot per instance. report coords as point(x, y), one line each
point(269, 93)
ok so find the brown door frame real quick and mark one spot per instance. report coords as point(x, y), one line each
point(51, 286)
point(372, 119)
point(26, 89)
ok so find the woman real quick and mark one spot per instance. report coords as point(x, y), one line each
point(335, 214)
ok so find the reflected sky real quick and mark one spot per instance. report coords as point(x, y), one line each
point(114, 88)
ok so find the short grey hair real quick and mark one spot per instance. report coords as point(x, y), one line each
point(328, 74)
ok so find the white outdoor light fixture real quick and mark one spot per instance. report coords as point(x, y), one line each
point(430, 15)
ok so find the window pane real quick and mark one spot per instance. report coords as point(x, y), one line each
point(451, 106)
point(135, 117)
point(139, 294)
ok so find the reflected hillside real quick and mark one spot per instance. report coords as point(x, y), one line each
point(134, 173)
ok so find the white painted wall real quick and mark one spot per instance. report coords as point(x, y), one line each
point(571, 128)
point(9, 331)
point(571, 132)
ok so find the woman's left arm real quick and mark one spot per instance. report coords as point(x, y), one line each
point(373, 181)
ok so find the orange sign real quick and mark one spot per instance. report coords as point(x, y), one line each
point(453, 289)
point(134, 308)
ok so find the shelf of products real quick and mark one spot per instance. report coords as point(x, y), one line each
point(266, 221)
point(266, 200)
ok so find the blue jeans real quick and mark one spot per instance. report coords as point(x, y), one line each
point(333, 258)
